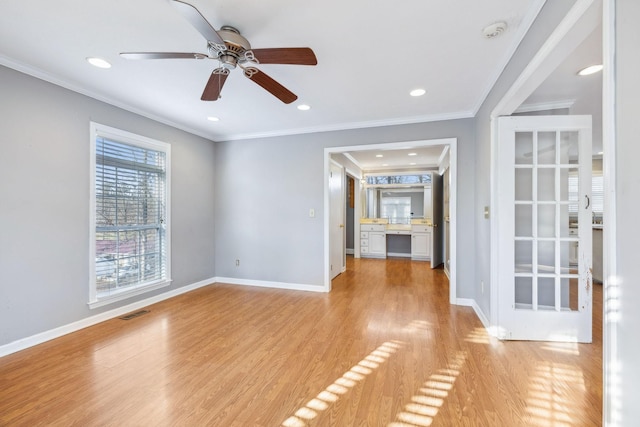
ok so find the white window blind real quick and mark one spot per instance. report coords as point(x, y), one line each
point(130, 227)
point(597, 194)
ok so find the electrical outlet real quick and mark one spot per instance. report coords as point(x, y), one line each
point(237, 263)
point(312, 213)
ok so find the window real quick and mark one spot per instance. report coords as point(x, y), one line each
point(597, 195)
point(130, 215)
point(399, 178)
point(397, 209)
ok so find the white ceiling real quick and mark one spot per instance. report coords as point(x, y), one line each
point(370, 55)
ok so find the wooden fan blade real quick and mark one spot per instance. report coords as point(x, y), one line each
point(286, 55)
point(163, 55)
point(214, 86)
point(272, 86)
point(199, 22)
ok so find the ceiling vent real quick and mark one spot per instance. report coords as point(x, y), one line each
point(494, 30)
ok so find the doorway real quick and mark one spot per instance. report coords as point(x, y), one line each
point(450, 158)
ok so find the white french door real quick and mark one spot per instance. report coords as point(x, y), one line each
point(544, 216)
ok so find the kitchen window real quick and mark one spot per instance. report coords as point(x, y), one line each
point(130, 247)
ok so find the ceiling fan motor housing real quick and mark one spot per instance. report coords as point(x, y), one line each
point(236, 47)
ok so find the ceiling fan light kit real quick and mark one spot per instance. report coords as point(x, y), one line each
point(232, 50)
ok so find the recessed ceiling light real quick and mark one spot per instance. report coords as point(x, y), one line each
point(98, 62)
point(412, 164)
point(379, 155)
point(417, 92)
point(590, 70)
point(213, 119)
point(600, 153)
point(413, 154)
point(385, 164)
point(304, 107)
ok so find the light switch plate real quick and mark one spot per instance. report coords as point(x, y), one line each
point(312, 213)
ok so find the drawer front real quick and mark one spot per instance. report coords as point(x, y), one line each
point(420, 229)
point(364, 234)
point(364, 250)
point(364, 243)
point(372, 227)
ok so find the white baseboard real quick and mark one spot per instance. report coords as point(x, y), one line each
point(41, 337)
point(399, 254)
point(468, 302)
point(350, 251)
point(267, 284)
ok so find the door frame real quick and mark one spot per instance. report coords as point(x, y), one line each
point(576, 26)
point(451, 143)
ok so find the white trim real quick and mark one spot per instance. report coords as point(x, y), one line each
point(353, 160)
point(350, 251)
point(402, 254)
point(610, 359)
point(468, 302)
point(355, 125)
point(99, 130)
point(43, 75)
point(523, 28)
point(41, 337)
point(574, 28)
point(47, 77)
point(268, 284)
point(453, 202)
point(545, 106)
point(581, 20)
point(127, 293)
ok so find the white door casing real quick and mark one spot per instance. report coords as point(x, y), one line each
point(544, 190)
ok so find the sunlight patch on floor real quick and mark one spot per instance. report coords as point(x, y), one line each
point(425, 406)
point(342, 385)
point(553, 390)
point(479, 336)
point(570, 348)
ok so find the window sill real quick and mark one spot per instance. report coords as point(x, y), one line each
point(127, 293)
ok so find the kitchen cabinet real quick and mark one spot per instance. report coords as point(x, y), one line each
point(373, 241)
point(421, 242)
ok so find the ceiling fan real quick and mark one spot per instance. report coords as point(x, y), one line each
point(232, 50)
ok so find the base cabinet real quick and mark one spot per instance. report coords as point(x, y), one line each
point(421, 242)
point(373, 241)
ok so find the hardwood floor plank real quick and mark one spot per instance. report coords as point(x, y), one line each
point(384, 348)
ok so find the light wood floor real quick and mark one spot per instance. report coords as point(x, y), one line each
point(384, 348)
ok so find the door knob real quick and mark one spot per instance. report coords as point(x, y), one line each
point(341, 225)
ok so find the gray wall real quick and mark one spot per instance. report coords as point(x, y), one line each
point(626, 321)
point(548, 19)
point(265, 188)
point(44, 203)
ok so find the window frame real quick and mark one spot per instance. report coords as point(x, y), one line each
point(117, 135)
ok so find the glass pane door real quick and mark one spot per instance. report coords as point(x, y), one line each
point(545, 207)
point(544, 228)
